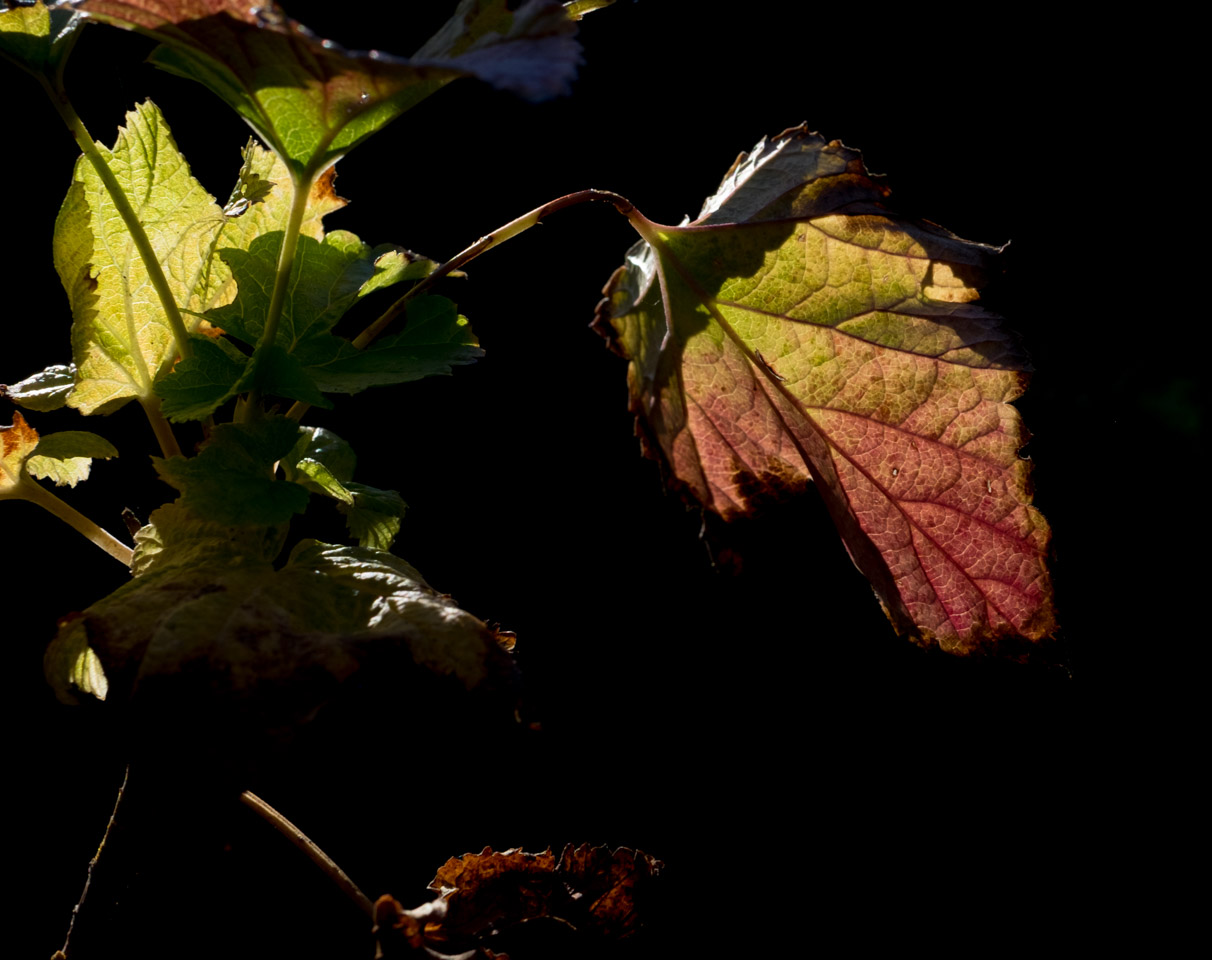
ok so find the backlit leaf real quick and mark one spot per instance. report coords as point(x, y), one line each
point(799, 330)
point(17, 443)
point(67, 457)
point(313, 101)
point(121, 339)
point(374, 515)
point(38, 39)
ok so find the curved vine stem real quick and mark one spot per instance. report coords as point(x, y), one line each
point(34, 492)
point(308, 846)
point(483, 245)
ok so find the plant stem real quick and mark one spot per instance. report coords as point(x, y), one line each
point(313, 852)
point(286, 261)
point(484, 244)
point(151, 263)
point(161, 427)
point(34, 492)
point(61, 954)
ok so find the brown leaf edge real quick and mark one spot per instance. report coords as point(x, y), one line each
point(601, 894)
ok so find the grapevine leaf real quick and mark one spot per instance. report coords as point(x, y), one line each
point(67, 457)
point(373, 516)
point(214, 642)
point(324, 447)
point(231, 480)
point(17, 443)
point(799, 330)
point(321, 480)
point(200, 384)
point(43, 391)
point(313, 101)
point(121, 338)
point(38, 39)
point(176, 537)
point(72, 666)
point(435, 338)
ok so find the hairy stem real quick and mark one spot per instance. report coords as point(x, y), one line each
point(34, 492)
point(61, 953)
point(138, 235)
point(286, 262)
point(484, 244)
point(313, 852)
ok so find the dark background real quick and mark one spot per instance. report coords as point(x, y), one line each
point(800, 769)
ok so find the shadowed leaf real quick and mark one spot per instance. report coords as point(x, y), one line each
point(313, 101)
point(66, 457)
point(37, 39)
point(43, 391)
point(798, 330)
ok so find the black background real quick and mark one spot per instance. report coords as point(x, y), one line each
point(805, 774)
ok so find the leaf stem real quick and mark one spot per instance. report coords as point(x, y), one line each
point(155, 272)
point(34, 492)
point(286, 261)
point(160, 426)
point(308, 846)
point(484, 244)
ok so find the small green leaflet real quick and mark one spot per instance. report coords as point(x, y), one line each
point(231, 481)
point(43, 391)
point(66, 457)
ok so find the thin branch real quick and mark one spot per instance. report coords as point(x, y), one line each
point(483, 245)
point(313, 852)
point(61, 953)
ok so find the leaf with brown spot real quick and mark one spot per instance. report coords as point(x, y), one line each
point(798, 330)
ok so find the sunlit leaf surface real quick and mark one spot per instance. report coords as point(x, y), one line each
point(799, 330)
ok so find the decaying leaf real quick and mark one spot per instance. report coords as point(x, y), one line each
point(313, 101)
point(17, 444)
point(798, 330)
point(603, 895)
point(65, 458)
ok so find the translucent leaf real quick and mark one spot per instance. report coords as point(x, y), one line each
point(121, 339)
point(311, 100)
point(374, 515)
point(17, 442)
point(43, 391)
point(66, 457)
point(72, 666)
point(798, 330)
point(37, 39)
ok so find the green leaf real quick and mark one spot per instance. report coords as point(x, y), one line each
point(43, 391)
point(435, 338)
point(231, 481)
point(225, 644)
point(72, 666)
point(176, 537)
point(798, 330)
point(37, 39)
point(373, 516)
point(121, 338)
point(327, 280)
point(200, 384)
point(311, 100)
point(66, 457)
point(322, 446)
